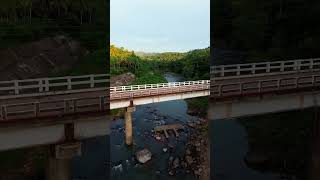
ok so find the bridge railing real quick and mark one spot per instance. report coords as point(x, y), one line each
point(156, 86)
point(137, 91)
point(50, 108)
point(41, 85)
point(250, 69)
point(264, 86)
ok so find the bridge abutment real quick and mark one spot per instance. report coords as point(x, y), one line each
point(128, 124)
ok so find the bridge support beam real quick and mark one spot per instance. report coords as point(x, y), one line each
point(59, 161)
point(128, 124)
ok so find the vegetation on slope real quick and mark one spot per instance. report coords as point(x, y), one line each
point(85, 21)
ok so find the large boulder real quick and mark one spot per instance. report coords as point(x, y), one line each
point(143, 156)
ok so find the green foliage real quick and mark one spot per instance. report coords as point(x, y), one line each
point(199, 104)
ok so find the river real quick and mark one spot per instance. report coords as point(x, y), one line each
point(229, 147)
point(145, 118)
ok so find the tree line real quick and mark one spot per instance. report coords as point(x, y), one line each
point(193, 65)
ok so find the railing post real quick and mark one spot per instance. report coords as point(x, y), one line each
point(282, 66)
point(311, 64)
point(16, 87)
point(253, 70)
point(298, 65)
point(222, 71)
point(268, 67)
point(40, 86)
point(4, 112)
point(36, 109)
point(101, 103)
point(47, 87)
point(69, 83)
point(91, 81)
point(295, 64)
point(238, 70)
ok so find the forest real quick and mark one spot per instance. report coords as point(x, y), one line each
point(192, 65)
point(267, 30)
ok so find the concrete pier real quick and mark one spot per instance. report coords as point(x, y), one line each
point(128, 124)
point(59, 161)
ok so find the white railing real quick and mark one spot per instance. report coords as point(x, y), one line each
point(40, 85)
point(134, 91)
point(264, 86)
point(156, 86)
point(51, 108)
point(249, 69)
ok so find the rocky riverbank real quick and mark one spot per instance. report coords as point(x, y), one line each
point(196, 159)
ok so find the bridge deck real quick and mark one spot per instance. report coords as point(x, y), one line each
point(55, 105)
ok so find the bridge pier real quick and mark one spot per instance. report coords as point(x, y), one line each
point(59, 161)
point(128, 124)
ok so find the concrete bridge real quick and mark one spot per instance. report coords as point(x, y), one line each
point(59, 112)
point(258, 88)
point(129, 97)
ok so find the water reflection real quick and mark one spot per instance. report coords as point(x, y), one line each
point(269, 147)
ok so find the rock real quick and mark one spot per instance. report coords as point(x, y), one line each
point(171, 172)
point(191, 124)
point(184, 164)
point(189, 160)
point(118, 167)
point(188, 152)
point(143, 156)
point(164, 149)
point(198, 149)
point(176, 163)
point(158, 137)
point(170, 159)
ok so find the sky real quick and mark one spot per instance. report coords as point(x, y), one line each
point(160, 25)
